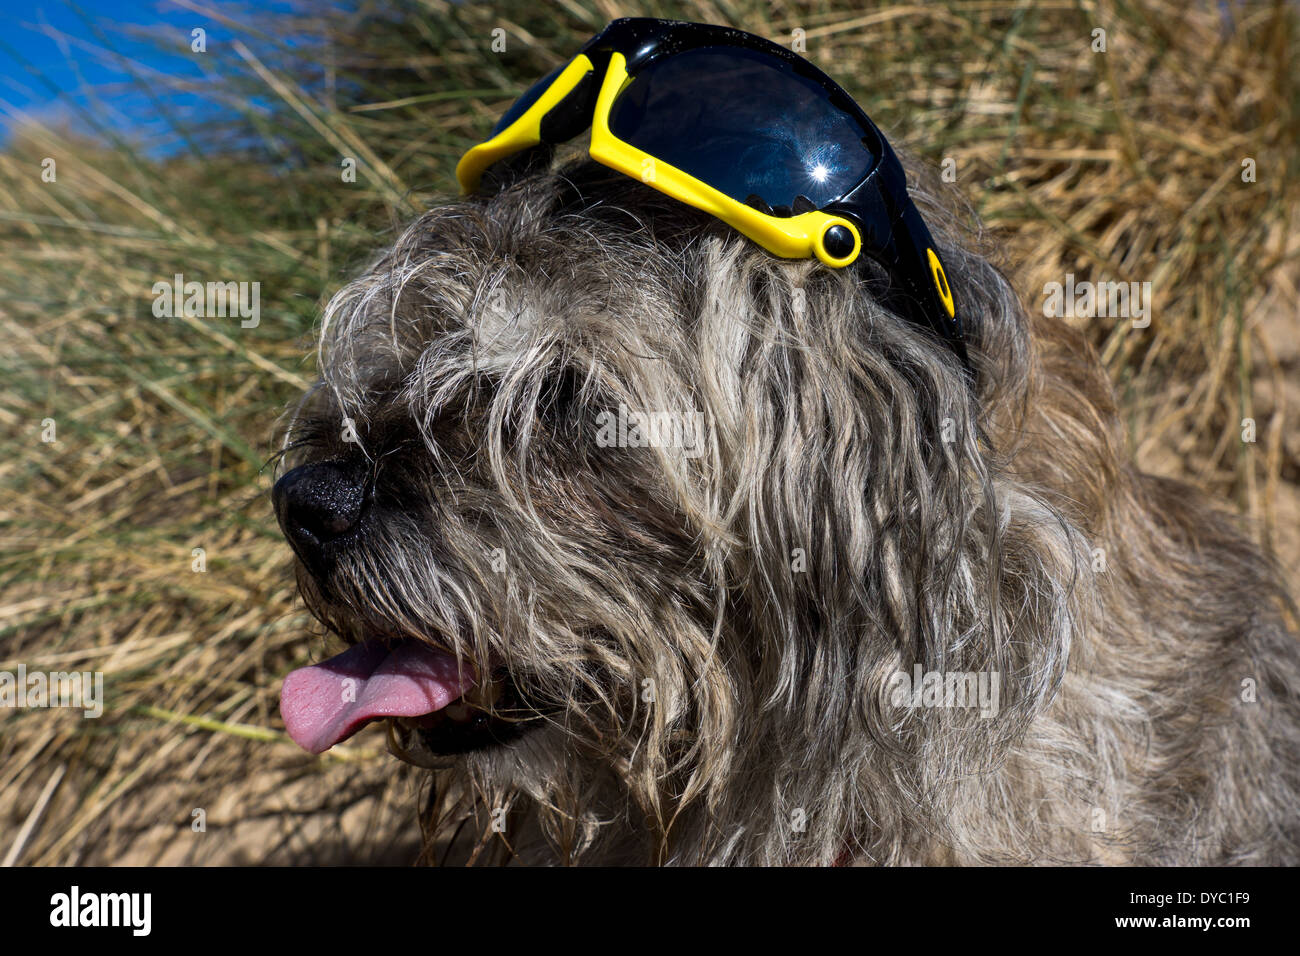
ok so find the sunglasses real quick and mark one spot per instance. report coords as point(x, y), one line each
point(748, 132)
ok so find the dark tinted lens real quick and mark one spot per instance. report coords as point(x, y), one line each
point(745, 125)
point(520, 106)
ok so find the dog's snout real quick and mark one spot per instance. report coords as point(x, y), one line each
point(318, 503)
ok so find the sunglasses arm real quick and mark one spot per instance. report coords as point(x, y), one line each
point(895, 236)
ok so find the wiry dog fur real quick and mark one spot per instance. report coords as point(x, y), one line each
point(701, 694)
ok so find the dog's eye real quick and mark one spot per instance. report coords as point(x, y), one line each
point(558, 400)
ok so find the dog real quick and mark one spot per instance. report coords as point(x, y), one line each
point(659, 549)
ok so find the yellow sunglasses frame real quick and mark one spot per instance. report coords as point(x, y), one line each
point(796, 237)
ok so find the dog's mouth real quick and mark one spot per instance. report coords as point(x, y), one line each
point(429, 691)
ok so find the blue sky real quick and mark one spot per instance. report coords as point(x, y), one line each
point(74, 62)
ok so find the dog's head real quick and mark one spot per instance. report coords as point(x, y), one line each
point(606, 499)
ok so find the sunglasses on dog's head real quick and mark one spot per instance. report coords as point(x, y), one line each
point(747, 131)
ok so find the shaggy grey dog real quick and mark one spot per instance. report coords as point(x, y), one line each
point(661, 549)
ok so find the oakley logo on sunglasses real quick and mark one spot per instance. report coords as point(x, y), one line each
point(748, 132)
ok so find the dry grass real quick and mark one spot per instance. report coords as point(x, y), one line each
point(1125, 165)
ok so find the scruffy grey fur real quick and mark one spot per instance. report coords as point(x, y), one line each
point(707, 637)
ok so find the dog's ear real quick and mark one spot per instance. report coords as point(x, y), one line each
point(876, 534)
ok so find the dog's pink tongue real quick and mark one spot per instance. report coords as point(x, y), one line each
point(326, 703)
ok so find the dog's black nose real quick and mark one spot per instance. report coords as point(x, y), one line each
point(318, 503)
